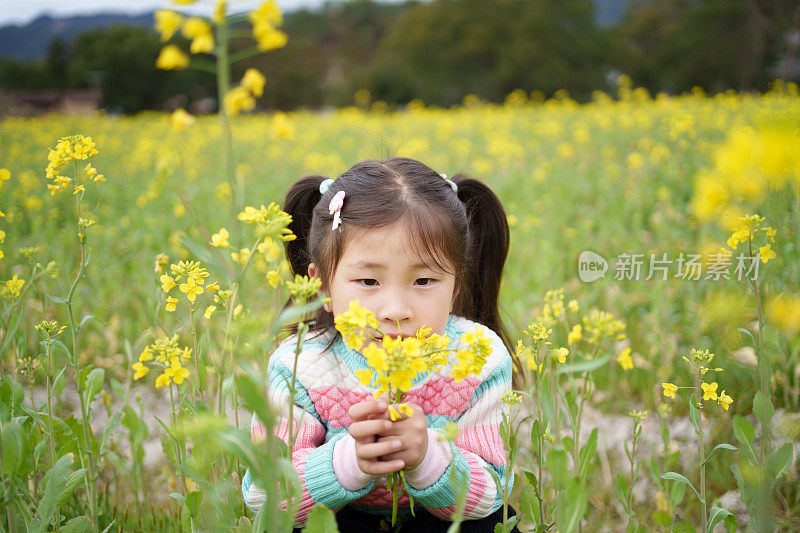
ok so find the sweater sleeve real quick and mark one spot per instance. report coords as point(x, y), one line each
point(312, 456)
point(477, 447)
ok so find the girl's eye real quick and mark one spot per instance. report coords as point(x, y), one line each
point(425, 281)
point(368, 282)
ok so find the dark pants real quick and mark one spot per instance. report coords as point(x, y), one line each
point(352, 521)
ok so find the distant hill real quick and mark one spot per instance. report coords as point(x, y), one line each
point(30, 42)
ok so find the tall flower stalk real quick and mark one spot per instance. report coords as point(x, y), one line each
point(71, 150)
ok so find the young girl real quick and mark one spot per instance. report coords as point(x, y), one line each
point(417, 250)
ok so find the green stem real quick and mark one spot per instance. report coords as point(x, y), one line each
point(76, 359)
point(223, 84)
point(178, 442)
point(49, 387)
point(704, 515)
point(196, 354)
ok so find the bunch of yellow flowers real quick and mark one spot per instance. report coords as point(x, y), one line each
point(168, 355)
point(243, 96)
point(265, 20)
point(193, 276)
point(748, 230)
point(699, 362)
point(73, 148)
point(396, 362)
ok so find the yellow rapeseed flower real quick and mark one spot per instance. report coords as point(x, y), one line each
point(13, 287)
point(220, 6)
point(163, 379)
point(167, 23)
point(167, 282)
point(209, 311)
point(724, 400)
point(191, 289)
point(624, 359)
point(238, 99)
point(180, 119)
point(669, 390)
point(254, 82)
point(172, 58)
point(171, 304)
point(220, 238)
point(709, 391)
point(575, 335)
point(273, 278)
point(141, 370)
point(562, 354)
point(766, 253)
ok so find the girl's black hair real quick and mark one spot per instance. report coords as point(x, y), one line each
point(468, 230)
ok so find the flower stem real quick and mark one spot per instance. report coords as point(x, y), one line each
point(90, 488)
point(196, 354)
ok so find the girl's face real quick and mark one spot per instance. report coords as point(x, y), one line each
point(380, 269)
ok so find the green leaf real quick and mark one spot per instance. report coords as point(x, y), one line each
point(557, 465)
point(732, 523)
point(694, 413)
point(293, 313)
point(93, 384)
point(587, 454)
point(59, 382)
point(87, 318)
point(57, 299)
point(321, 520)
point(495, 477)
point(715, 516)
point(621, 489)
point(780, 462)
point(572, 507)
point(661, 518)
point(193, 500)
point(13, 447)
point(762, 408)
point(529, 504)
point(683, 526)
point(674, 476)
point(583, 366)
point(723, 446)
point(745, 433)
point(79, 524)
point(55, 481)
point(110, 429)
point(73, 480)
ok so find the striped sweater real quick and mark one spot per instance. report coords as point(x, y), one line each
point(324, 452)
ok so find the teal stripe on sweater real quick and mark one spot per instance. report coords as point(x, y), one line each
point(321, 481)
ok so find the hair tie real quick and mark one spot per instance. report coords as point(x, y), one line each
point(451, 183)
point(335, 209)
point(325, 185)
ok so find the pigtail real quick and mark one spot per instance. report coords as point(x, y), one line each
point(488, 227)
point(299, 203)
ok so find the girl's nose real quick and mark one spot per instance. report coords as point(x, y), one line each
point(395, 309)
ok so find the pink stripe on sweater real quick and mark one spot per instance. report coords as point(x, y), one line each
point(485, 441)
point(479, 484)
point(306, 502)
point(440, 396)
point(332, 404)
point(443, 396)
point(309, 435)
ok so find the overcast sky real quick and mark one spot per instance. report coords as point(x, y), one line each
point(23, 11)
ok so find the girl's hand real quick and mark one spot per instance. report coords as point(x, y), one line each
point(371, 419)
point(413, 434)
